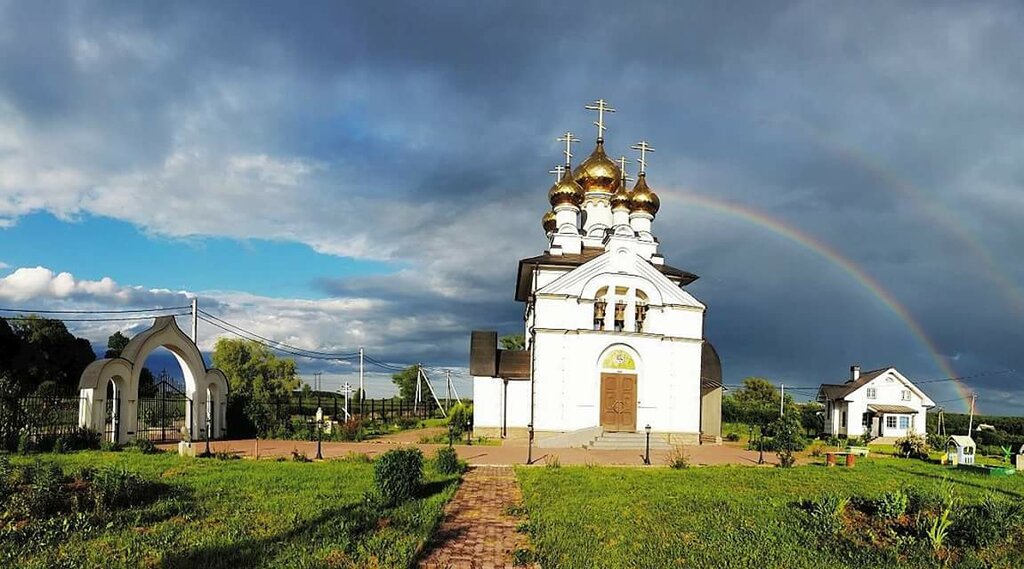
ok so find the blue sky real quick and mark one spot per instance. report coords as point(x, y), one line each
point(368, 174)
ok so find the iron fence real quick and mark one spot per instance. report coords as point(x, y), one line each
point(162, 416)
point(37, 418)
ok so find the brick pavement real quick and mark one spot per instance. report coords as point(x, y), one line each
point(476, 532)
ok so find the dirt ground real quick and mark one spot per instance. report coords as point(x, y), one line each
point(509, 454)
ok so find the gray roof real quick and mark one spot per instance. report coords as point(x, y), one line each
point(892, 409)
point(832, 391)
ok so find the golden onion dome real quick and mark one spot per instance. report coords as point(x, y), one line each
point(566, 191)
point(598, 173)
point(643, 198)
point(548, 221)
point(621, 197)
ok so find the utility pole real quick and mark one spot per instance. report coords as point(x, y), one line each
point(195, 319)
point(448, 389)
point(970, 423)
point(419, 388)
point(362, 393)
point(782, 400)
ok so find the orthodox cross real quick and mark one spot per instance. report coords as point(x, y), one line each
point(568, 138)
point(558, 171)
point(643, 148)
point(601, 106)
point(622, 168)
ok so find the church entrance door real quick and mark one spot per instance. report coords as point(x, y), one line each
point(618, 402)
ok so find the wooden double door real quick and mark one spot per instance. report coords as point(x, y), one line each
point(618, 402)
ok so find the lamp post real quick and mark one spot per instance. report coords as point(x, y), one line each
point(529, 450)
point(207, 435)
point(451, 434)
point(647, 451)
point(319, 432)
point(469, 433)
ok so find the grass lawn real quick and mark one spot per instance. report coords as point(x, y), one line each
point(241, 513)
point(736, 516)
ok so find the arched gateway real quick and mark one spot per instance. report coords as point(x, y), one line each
point(206, 389)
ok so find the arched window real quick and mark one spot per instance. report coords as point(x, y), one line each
point(620, 309)
point(600, 308)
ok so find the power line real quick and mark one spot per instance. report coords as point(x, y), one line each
point(337, 355)
point(122, 319)
point(124, 311)
point(269, 344)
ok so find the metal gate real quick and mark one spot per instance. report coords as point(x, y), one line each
point(113, 419)
point(162, 416)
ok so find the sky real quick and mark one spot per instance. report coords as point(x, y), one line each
point(845, 178)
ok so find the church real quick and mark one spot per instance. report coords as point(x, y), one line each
point(614, 342)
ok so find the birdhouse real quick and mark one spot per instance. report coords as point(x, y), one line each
point(960, 450)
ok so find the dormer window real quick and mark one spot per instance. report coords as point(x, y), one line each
point(872, 393)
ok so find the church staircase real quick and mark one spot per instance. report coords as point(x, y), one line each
point(629, 441)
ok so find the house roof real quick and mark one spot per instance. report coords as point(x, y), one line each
point(830, 391)
point(962, 441)
point(574, 260)
point(892, 409)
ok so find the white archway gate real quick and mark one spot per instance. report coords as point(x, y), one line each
point(206, 389)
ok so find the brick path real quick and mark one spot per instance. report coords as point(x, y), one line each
point(476, 533)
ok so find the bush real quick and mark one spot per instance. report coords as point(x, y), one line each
point(144, 446)
point(677, 457)
point(787, 438)
point(447, 461)
point(353, 430)
point(912, 446)
point(987, 523)
point(397, 474)
point(732, 437)
point(892, 504)
point(458, 417)
point(77, 439)
point(114, 487)
point(827, 513)
point(110, 446)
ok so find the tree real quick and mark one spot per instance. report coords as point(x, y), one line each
point(513, 342)
point(253, 371)
point(48, 352)
point(115, 345)
point(406, 381)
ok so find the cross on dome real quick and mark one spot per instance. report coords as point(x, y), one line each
point(601, 106)
point(558, 171)
point(622, 168)
point(643, 148)
point(568, 138)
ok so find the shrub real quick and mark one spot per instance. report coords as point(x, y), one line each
point(787, 438)
point(677, 457)
point(353, 430)
point(114, 487)
point(447, 461)
point(458, 417)
point(144, 446)
point(732, 437)
point(109, 446)
point(892, 504)
point(936, 441)
point(984, 524)
point(397, 474)
point(827, 512)
point(912, 446)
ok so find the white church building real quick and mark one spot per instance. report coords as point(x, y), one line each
point(614, 342)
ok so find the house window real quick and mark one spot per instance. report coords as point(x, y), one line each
point(872, 393)
point(890, 422)
point(905, 394)
point(904, 423)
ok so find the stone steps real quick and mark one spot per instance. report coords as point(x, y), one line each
point(629, 441)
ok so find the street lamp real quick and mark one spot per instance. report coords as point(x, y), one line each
point(529, 451)
point(469, 434)
point(647, 452)
point(319, 432)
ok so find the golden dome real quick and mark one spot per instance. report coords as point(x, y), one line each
point(548, 221)
point(598, 173)
point(621, 197)
point(643, 198)
point(566, 191)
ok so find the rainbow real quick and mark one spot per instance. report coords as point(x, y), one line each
point(799, 237)
point(941, 216)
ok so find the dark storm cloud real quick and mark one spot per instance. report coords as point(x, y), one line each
point(876, 128)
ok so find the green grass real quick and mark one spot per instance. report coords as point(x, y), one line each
point(730, 516)
point(240, 513)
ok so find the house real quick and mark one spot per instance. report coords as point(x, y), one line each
point(614, 340)
point(879, 403)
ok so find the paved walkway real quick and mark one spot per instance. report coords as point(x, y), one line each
point(476, 532)
point(509, 454)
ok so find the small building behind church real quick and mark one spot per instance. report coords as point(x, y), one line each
point(615, 342)
point(879, 403)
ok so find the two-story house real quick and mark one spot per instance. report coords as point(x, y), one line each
point(881, 403)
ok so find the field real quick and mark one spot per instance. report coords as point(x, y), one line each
point(753, 517)
point(235, 513)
